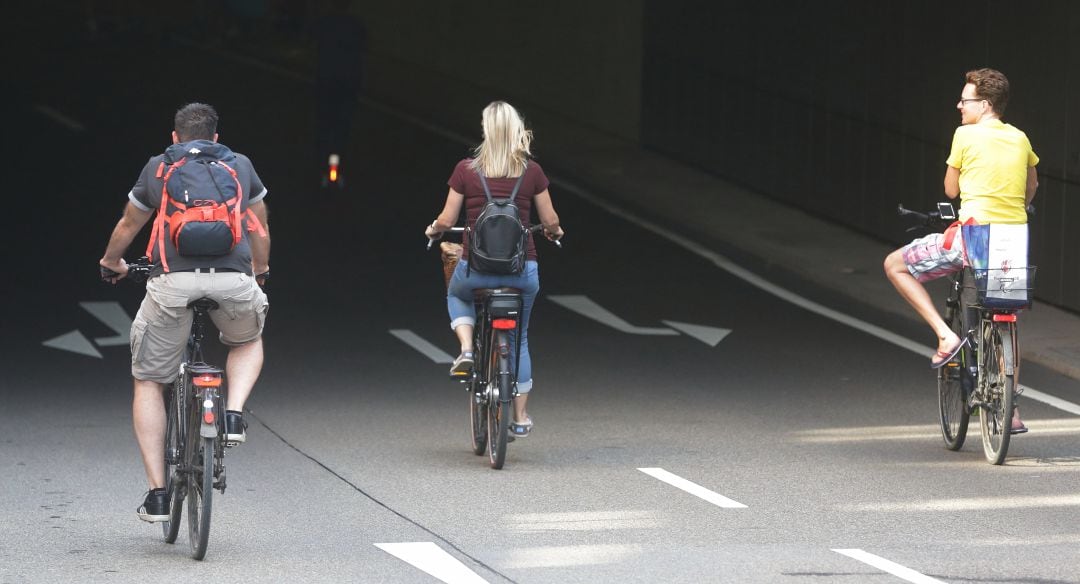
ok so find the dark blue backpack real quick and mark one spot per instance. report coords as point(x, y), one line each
point(200, 205)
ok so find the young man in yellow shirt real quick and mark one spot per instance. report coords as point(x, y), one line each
point(991, 167)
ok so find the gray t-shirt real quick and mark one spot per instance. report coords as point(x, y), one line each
point(146, 195)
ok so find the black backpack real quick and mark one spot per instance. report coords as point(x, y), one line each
point(498, 239)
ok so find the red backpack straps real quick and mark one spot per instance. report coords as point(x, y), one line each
point(235, 202)
point(253, 223)
point(157, 235)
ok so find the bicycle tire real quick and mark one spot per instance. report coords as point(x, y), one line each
point(200, 494)
point(477, 418)
point(174, 451)
point(477, 399)
point(498, 407)
point(998, 386)
point(953, 413)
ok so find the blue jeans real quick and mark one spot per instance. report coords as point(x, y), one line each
point(459, 303)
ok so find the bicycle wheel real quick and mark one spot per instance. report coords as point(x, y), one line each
point(498, 406)
point(200, 493)
point(174, 447)
point(477, 417)
point(952, 399)
point(997, 384)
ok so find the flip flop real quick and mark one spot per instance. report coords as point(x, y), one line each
point(1021, 429)
point(943, 357)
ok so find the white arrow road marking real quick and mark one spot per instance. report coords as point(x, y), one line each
point(114, 317)
point(430, 558)
point(709, 335)
point(427, 349)
point(584, 306)
point(692, 488)
point(74, 342)
point(890, 567)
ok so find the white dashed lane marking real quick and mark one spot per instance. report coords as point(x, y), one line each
point(692, 488)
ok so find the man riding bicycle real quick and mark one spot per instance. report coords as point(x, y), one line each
point(161, 327)
point(991, 166)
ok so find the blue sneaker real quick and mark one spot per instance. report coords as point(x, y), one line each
point(462, 365)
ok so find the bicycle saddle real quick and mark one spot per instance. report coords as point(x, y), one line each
point(481, 293)
point(204, 305)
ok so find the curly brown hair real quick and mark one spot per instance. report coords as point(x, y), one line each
point(991, 85)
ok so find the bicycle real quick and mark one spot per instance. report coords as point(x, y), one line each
point(492, 383)
point(982, 378)
point(195, 429)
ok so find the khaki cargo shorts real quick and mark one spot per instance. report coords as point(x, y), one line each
point(163, 324)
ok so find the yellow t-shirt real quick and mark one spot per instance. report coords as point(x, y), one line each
point(993, 158)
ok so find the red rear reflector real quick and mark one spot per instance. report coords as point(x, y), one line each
point(333, 174)
point(1004, 318)
point(207, 380)
point(208, 416)
point(504, 324)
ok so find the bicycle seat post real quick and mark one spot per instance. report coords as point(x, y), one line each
point(201, 308)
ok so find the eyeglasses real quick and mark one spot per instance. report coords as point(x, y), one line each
point(967, 99)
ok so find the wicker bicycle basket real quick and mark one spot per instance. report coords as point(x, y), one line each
point(451, 254)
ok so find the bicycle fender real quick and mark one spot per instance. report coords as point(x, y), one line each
point(1010, 354)
point(208, 430)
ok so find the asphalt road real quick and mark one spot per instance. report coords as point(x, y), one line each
point(819, 437)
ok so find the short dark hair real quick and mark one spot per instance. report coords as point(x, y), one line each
point(195, 121)
point(991, 85)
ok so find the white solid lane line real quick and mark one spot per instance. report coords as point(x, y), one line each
point(782, 293)
point(422, 345)
point(718, 260)
point(431, 559)
point(1048, 399)
point(692, 488)
point(60, 118)
point(887, 566)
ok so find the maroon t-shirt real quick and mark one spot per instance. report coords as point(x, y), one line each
point(466, 181)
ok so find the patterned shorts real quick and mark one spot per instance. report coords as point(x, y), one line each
point(927, 259)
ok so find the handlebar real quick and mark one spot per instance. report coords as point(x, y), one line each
point(138, 270)
point(935, 218)
point(531, 230)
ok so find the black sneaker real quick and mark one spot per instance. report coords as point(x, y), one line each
point(235, 427)
point(155, 507)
